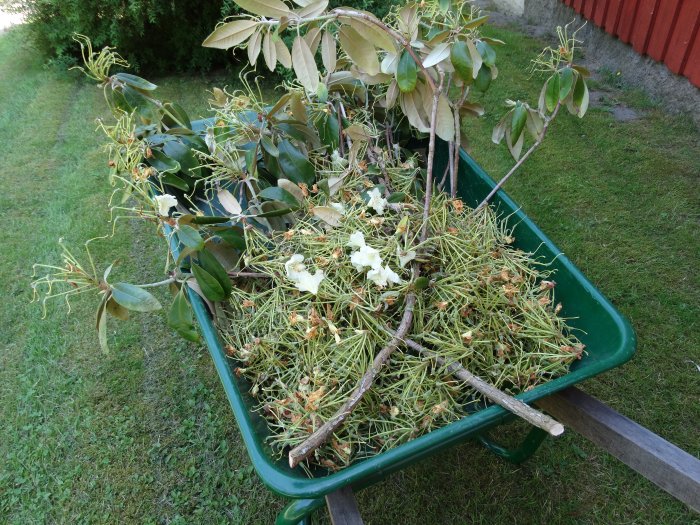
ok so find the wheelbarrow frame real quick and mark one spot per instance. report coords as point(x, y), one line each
point(608, 336)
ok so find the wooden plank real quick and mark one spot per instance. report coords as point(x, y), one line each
point(643, 24)
point(666, 465)
point(342, 507)
point(627, 17)
point(664, 26)
point(601, 10)
point(613, 16)
point(682, 38)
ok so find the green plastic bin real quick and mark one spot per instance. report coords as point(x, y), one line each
point(609, 340)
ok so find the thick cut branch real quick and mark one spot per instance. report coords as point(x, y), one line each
point(520, 162)
point(499, 397)
point(323, 433)
point(431, 157)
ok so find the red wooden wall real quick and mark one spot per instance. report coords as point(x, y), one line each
point(666, 30)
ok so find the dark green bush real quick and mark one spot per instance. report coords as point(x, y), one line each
point(155, 36)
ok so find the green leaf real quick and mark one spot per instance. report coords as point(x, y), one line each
point(214, 268)
point(174, 181)
point(116, 310)
point(208, 219)
point(176, 115)
point(406, 73)
point(329, 131)
point(580, 96)
point(180, 318)
point(190, 237)
point(136, 82)
point(462, 61)
point(269, 146)
point(488, 54)
point(566, 82)
point(396, 197)
point(445, 5)
point(233, 236)
point(251, 161)
point(294, 164)
point(275, 193)
point(421, 283)
point(211, 288)
point(162, 162)
point(183, 154)
point(476, 22)
point(551, 94)
point(518, 122)
point(230, 34)
point(134, 298)
point(483, 78)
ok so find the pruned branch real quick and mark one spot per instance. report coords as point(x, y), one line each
point(499, 397)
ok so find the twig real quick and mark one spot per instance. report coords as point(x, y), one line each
point(251, 275)
point(499, 397)
point(325, 431)
point(520, 161)
point(431, 156)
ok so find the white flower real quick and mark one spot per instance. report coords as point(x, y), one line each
point(405, 257)
point(383, 275)
point(300, 276)
point(164, 203)
point(305, 282)
point(376, 201)
point(339, 207)
point(295, 266)
point(357, 240)
point(339, 163)
point(366, 257)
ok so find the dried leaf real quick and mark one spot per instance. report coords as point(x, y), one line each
point(408, 20)
point(374, 34)
point(477, 61)
point(254, 47)
point(328, 215)
point(313, 9)
point(445, 123)
point(266, 8)
point(283, 55)
point(229, 202)
point(292, 188)
point(359, 49)
point(304, 64)
point(269, 51)
point(313, 39)
point(328, 51)
point(230, 34)
point(437, 55)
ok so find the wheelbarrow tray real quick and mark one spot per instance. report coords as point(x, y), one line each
point(608, 337)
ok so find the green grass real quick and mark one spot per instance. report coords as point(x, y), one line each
point(144, 434)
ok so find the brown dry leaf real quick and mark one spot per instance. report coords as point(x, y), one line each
point(283, 55)
point(313, 398)
point(377, 36)
point(266, 8)
point(254, 47)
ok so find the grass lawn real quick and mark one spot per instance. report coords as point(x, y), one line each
point(144, 434)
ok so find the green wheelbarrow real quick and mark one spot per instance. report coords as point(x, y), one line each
point(609, 340)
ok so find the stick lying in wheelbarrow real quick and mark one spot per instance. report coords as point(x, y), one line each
point(517, 407)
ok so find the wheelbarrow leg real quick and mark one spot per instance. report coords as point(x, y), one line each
point(298, 511)
point(521, 453)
